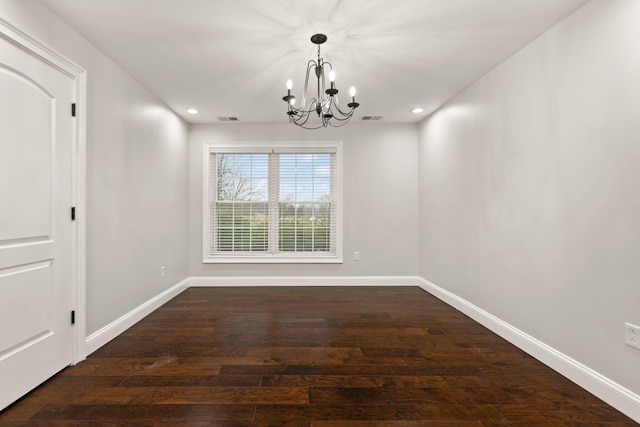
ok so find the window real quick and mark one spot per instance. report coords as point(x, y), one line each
point(272, 203)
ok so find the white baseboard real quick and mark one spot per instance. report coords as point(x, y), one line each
point(611, 392)
point(304, 281)
point(118, 326)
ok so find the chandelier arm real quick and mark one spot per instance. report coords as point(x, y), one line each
point(338, 124)
point(347, 114)
point(301, 117)
point(343, 118)
point(350, 113)
point(302, 120)
point(313, 106)
point(299, 111)
point(302, 123)
point(341, 115)
point(315, 127)
point(311, 64)
point(304, 111)
point(311, 109)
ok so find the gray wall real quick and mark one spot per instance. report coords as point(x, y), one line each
point(529, 201)
point(137, 176)
point(380, 195)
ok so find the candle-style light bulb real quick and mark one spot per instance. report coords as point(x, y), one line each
point(291, 99)
point(332, 91)
point(353, 104)
point(332, 79)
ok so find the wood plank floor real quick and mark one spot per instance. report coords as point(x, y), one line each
point(302, 357)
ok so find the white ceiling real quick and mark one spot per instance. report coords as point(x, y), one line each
point(233, 57)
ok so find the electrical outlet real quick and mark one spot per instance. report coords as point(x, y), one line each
point(356, 256)
point(632, 335)
point(163, 271)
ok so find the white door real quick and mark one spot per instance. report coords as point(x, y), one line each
point(36, 139)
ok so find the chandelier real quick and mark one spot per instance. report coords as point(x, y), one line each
point(325, 105)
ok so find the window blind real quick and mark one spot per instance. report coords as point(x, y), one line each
point(240, 202)
point(306, 204)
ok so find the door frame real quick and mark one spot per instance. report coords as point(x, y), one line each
point(44, 53)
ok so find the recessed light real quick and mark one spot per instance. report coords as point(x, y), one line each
point(417, 110)
point(192, 111)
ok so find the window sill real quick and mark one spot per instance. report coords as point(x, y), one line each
point(224, 259)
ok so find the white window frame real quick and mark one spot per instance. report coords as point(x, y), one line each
point(269, 147)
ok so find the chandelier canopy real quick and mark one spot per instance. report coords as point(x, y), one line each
point(325, 105)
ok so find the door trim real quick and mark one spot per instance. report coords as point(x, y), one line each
point(44, 53)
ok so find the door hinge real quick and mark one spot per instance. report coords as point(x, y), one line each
point(73, 317)
point(73, 109)
point(73, 213)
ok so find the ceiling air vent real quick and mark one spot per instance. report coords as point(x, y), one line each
point(228, 119)
point(371, 118)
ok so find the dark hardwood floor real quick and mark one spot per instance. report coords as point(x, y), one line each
point(321, 357)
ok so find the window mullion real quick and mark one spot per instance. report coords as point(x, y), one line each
point(313, 205)
point(274, 194)
point(233, 226)
point(213, 202)
point(333, 203)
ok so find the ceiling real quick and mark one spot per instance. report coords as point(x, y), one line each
point(233, 57)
